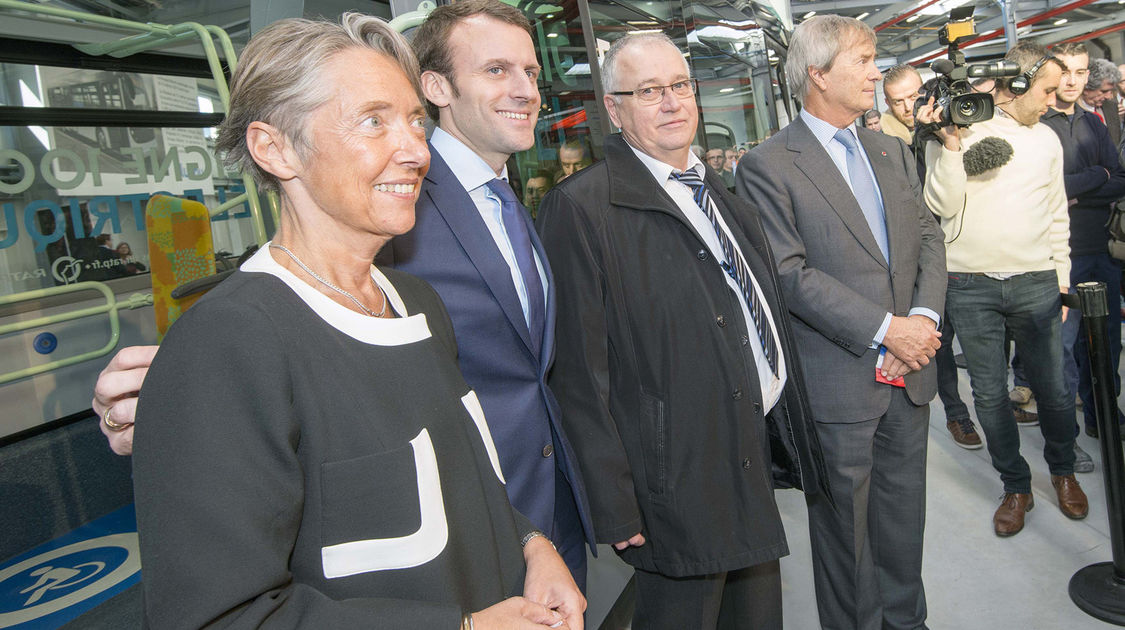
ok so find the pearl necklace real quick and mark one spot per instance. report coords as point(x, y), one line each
point(335, 288)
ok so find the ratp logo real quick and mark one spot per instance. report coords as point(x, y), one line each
point(63, 577)
point(66, 269)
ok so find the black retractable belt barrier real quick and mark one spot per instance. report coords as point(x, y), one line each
point(1099, 589)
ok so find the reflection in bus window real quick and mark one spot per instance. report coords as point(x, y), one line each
point(114, 90)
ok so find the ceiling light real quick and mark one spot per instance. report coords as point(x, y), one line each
point(912, 18)
point(644, 31)
point(1060, 21)
point(862, 15)
point(808, 15)
point(725, 90)
point(552, 34)
point(943, 8)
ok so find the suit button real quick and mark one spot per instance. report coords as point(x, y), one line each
point(701, 254)
point(746, 463)
point(745, 340)
point(548, 450)
point(721, 321)
point(757, 407)
point(736, 394)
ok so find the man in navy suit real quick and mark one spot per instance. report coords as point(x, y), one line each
point(479, 74)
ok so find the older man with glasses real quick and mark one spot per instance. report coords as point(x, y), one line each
point(674, 364)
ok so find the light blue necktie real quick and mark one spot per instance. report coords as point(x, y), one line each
point(863, 187)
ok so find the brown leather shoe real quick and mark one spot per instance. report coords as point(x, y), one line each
point(1025, 418)
point(1008, 520)
point(1072, 501)
point(964, 433)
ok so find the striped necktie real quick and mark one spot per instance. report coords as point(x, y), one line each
point(734, 265)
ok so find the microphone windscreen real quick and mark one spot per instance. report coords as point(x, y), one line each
point(942, 66)
point(988, 154)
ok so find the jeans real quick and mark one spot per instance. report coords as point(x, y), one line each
point(955, 408)
point(1098, 268)
point(1028, 307)
point(1070, 334)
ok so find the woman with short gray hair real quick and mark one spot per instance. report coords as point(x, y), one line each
point(310, 456)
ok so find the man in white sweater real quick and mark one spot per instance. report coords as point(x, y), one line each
point(998, 188)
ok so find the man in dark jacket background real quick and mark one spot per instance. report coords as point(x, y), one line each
point(675, 371)
point(1094, 181)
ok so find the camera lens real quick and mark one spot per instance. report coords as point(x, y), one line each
point(967, 108)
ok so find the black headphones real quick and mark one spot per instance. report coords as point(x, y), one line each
point(1019, 85)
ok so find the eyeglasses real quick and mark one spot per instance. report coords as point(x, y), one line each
point(653, 94)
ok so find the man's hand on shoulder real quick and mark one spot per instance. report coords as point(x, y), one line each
point(913, 340)
point(115, 395)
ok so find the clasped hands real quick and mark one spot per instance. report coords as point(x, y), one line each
point(550, 599)
point(910, 342)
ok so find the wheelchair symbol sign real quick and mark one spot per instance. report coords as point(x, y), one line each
point(60, 578)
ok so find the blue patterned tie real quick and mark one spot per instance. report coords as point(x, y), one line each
point(520, 238)
point(734, 265)
point(863, 187)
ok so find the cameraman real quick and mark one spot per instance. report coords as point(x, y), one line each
point(1094, 181)
point(1004, 211)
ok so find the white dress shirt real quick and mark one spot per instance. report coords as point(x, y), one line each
point(681, 194)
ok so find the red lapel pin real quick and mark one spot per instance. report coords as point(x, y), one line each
point(884, 153)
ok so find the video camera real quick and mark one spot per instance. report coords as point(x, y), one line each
point(961, 104)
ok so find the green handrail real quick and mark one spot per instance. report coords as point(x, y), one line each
point(148, 36)
point(111, 307)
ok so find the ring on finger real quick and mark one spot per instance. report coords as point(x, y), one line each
point(110, 424)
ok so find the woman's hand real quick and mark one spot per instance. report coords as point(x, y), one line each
point(519, 613)
point(549, 582)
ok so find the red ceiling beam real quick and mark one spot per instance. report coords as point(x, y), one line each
point(896, 20)
point(1035, 19)
point(1098, 33)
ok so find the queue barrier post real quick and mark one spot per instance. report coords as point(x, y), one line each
point(1099, 589)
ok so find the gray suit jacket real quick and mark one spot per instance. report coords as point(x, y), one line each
point(835, 280)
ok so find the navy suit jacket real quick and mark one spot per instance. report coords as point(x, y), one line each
point(451, 248)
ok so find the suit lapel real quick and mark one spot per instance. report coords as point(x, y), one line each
point(460, 213)
point(822, 172)
point(751, 240)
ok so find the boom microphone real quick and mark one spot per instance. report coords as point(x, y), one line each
point(988, 154)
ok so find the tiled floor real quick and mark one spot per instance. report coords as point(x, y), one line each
point(974, 580)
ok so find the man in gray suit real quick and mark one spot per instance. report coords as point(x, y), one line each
point(862, 268)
